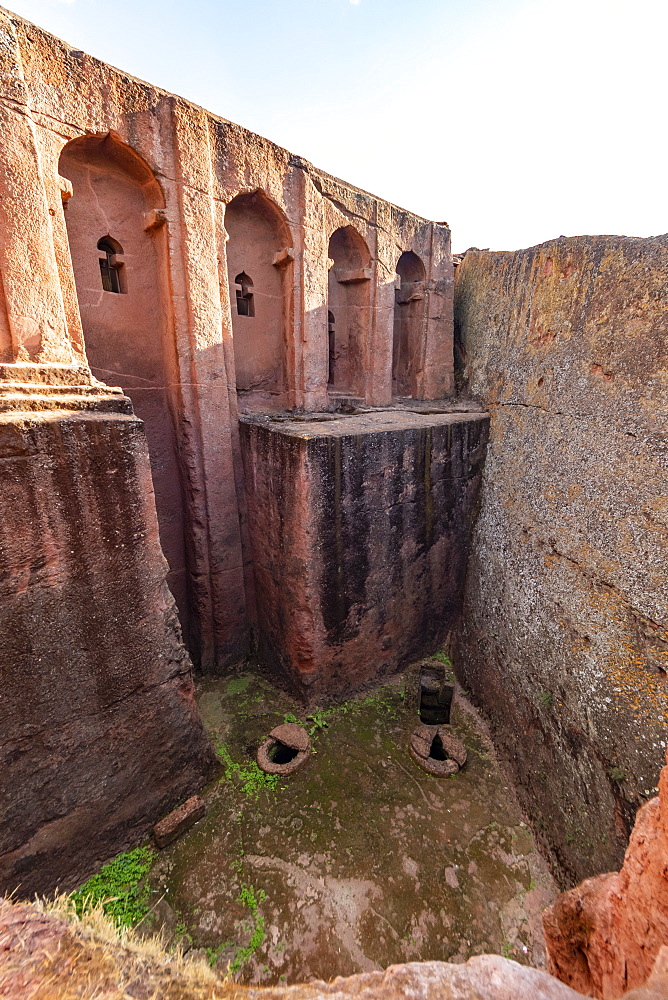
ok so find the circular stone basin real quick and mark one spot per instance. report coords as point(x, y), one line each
point(285, 750)
point(437, 751)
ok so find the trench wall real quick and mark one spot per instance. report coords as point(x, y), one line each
point(359, 530)
point(99, 732)
point(564, 639)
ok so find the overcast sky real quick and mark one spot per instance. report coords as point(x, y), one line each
point(513, 121)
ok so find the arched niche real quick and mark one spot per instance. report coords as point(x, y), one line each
point(259, 267)
point(119, 256)
point(348, 311)
point(408, 324)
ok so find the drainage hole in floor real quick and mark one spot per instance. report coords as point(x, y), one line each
point(279, 753)
point(436, 751)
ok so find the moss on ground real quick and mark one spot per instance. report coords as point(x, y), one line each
point(120, 887)
point(360, 857)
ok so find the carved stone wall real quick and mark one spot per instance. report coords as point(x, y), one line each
point(359, 529)
point(161, 172)
point(565, 627)
point(99, 731)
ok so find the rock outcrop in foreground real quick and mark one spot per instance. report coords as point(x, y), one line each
point(604, 936)
point(45, 957)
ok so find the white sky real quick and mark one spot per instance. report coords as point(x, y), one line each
point(514, 121)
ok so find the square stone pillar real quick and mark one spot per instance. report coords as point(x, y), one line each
point(359, 528)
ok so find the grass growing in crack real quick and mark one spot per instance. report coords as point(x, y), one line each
point(120, 887)
point(251, 898)
point(320, 718)
point(616, 774)
point(213, 953)
point(252, 779)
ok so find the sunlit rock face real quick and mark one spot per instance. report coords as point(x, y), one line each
point(564, 637)
point(605, 936)
point(39, 951)
point(42, 955)
point(359, 528)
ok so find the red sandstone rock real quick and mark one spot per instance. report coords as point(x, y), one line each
point(178, 821)
point(421, 745)
point(358, 527)
point(46, 958)
point(99, 731)
point(292, 735)
point(563, 638)
point(113, 238)
point(185, 196)
point(604, 936)
point(288, 735)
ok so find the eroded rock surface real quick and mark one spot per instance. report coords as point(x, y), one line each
point(43, 957)
point(605, 935)
point(99, 732)
point(564, 633)
point(359, 528)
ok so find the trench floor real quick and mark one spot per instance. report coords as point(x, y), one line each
point(358, 861)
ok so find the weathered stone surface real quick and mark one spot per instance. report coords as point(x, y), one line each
point(269, 766)
point(421, 744)
point(604, 936)
point(359, 529)
point(292, 735)
point(99, 732)
point(565, 630)
point(178, 821)
point(89, 153)
point(288, 735)
point(43, 957)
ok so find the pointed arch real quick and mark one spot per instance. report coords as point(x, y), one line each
point(409, 322)
point(116, 246)
point(259, 264)
point(349, 302)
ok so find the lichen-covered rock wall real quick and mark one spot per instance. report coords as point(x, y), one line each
point(564, 639)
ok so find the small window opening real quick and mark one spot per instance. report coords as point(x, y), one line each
point(279, 753)
point(436, 751)
point(245, 298)
point(111, 268)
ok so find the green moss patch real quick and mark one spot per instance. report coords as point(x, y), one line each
point(120, 886)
